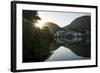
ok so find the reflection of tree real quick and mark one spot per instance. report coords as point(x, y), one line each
point(36, 41)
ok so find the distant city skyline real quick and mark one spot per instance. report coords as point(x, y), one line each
point(60, 18)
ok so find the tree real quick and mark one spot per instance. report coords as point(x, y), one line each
point(36, 41)
point(29, 20)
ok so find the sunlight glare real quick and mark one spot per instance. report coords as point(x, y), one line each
point(40, 24)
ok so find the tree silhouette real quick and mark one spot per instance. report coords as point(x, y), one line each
point(36, 41)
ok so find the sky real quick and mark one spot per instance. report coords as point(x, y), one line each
point(60, 18)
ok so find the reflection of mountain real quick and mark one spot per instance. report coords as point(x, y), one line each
point(62, 54)
point(75, 36)
point(81, 25)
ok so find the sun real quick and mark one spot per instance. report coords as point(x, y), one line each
point(40, 24)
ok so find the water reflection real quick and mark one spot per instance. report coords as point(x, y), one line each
point(77, 41)
point(76, 37)
point(63, 53)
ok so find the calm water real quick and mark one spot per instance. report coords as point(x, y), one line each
point(62, 54)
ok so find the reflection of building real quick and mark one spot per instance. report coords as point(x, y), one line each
point(71, 36)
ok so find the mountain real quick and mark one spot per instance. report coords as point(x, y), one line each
point(52, 26)
point(81, 23)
